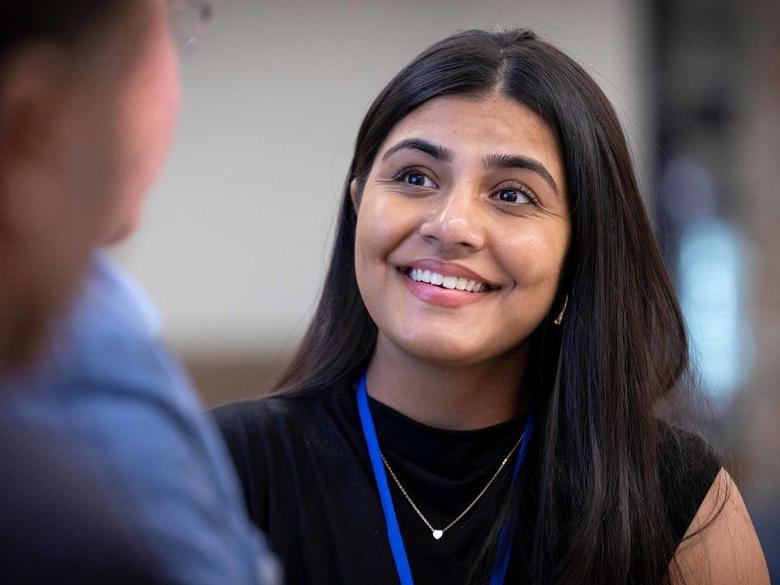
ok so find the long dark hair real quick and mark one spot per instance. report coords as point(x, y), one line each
point(591, 501)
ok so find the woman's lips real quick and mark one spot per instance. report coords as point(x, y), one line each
point(439, 295)
point(448, 269)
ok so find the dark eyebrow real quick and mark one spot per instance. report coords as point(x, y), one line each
point(508, 161)
point(434, 150)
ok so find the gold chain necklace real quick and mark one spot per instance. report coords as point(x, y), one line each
point(439, 532)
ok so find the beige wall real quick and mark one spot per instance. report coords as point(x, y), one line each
point(234, 244)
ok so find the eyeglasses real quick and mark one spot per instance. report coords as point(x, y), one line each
point(188, 19)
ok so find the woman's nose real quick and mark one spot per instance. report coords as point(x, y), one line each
point(455, 222)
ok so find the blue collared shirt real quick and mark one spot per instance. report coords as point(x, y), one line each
point(109, 391)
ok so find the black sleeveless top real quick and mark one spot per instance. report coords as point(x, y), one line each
point(307, 478)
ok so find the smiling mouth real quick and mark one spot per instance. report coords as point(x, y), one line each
point(443, 281)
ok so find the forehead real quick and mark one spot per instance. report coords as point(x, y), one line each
point(494, 123)
point(475, 127)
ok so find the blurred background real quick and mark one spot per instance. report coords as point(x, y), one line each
point(236, 237)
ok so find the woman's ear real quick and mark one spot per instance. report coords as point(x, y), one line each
point(354, 194)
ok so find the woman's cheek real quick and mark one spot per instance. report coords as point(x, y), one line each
point(386, 223)
point(530, 257)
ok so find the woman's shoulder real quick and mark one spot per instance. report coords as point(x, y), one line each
point(281, 420)
point(263, 436)
point(721, 546)
point(689, 465)
point(269, 415)
point(716, 541)
point(688, 452)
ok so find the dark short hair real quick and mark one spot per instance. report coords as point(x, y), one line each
point(58, 21)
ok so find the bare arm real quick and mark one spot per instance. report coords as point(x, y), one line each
point(720, 548)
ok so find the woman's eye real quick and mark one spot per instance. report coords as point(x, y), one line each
point(513, 196)
point(416, 179)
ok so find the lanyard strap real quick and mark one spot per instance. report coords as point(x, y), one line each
point(506, 535)
point(393, 531)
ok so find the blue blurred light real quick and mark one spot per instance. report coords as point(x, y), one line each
point(714, 276)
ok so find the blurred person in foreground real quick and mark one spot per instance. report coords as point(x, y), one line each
point(110, 473)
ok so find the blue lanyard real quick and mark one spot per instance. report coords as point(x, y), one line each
point(505, 537)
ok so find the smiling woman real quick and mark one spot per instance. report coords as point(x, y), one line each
point(475, 399)
point(463, 190)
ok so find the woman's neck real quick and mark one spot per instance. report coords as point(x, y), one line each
point(449, 396)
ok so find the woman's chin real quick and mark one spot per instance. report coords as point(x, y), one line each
point(444, 351)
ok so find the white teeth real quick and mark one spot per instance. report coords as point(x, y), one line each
point(450, 282)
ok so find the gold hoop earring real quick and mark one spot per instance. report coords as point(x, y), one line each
point(559, 319)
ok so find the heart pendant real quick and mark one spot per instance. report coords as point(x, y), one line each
point(437, 534)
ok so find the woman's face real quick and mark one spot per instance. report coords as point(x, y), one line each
point(462, 229)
